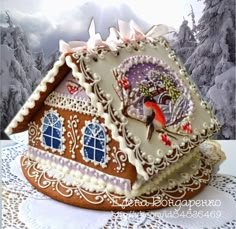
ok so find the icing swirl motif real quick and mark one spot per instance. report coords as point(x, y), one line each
point(119, 158)
point(34, 133)
point(73, 134)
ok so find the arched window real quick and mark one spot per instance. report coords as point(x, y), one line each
point(94, 142)
point(52, 131)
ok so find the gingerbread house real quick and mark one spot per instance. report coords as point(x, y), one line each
point(87, 124)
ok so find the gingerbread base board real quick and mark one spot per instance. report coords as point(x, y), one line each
point(104, 200)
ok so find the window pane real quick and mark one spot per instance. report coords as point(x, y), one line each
point(54, 118)
point(49, 116)
point(47, 130)
point(47, 140)
point(89, 141)
point(99, 156)
point(56, 133)
point(46, 121)
point(101, 134)
point(56, 144)
point(88, 131)
point(91, 126)
point(52, 128)
point(100, 144)
point(58, 124)
point(94, 142)
point(97, 129)
point(89, 152)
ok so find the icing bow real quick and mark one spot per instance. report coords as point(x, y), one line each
point(127, 32)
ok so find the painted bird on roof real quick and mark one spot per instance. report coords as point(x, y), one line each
point(155, 119)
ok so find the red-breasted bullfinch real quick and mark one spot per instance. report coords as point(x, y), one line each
point(155, 119)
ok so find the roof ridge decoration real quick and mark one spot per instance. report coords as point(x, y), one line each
point(127, 32)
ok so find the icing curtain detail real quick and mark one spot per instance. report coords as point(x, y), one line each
point(94, 143)
point(52, 131)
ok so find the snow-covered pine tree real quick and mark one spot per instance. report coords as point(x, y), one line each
point(17, 71)
point(215, 52)
point(185, 43)
point(39, 61)
point(212, 63)
point(50, 62)
point(192, 14)
point(222, 98)
point(8, 20)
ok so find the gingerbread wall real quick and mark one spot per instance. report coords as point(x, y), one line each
point(126, 170)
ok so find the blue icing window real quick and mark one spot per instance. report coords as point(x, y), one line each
point(94, 142)
point(52, 131)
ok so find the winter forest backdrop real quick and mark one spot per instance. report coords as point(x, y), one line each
point(206, 47)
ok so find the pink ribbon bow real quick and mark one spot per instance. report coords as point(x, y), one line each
point(127, 32)
point(94, 41)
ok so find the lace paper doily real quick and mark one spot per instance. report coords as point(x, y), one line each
point(24, 207)
point(12, 177)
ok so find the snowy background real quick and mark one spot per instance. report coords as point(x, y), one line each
point(204, 40)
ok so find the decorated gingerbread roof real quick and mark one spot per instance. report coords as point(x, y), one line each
point(137, 84)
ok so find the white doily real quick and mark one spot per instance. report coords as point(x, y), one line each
point(12, 177)
point(24, 207)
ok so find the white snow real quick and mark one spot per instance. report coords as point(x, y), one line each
point(185, 43)
point(18, 74)
point(222, 97)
